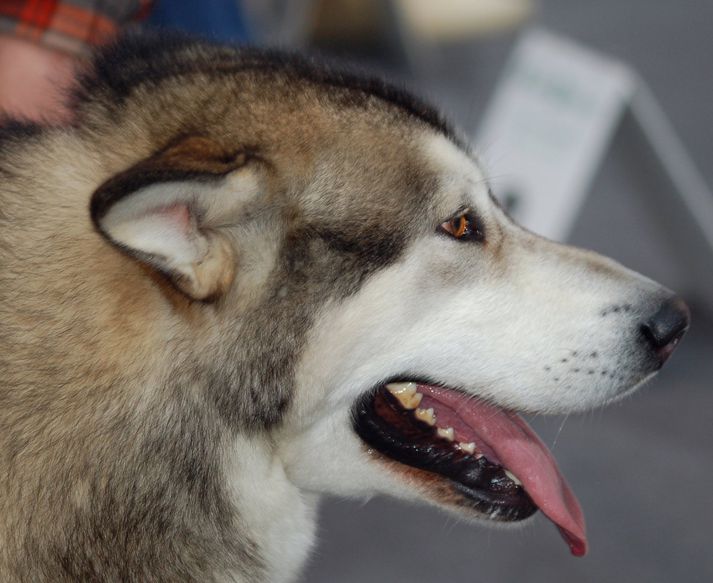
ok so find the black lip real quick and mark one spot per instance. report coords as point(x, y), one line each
point(383, 424)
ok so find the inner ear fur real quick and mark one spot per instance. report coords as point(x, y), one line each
point(156, 211)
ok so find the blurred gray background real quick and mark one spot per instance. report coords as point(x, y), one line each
point(643, 469)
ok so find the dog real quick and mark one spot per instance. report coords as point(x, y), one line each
point(241, 280)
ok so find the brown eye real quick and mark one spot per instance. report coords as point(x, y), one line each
point(463, 227)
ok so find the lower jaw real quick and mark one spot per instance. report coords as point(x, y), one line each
point(449, 476)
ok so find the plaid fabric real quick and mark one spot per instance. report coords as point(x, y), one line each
point(73, 27)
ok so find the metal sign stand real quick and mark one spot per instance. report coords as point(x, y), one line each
point(689, 206)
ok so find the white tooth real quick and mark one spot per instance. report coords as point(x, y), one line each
point(426, 415)
point(448, 434)
point(398, 388)
point(479, 455)
point(406, 394)
point(513, 477)
point(467, 447)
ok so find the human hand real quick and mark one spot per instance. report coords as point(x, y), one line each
point(34, 81)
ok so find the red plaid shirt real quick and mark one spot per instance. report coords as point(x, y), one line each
point(73, 27)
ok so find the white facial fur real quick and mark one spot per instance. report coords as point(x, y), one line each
point(524, 322)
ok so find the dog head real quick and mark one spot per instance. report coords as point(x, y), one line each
point(414, 380)
point(324, 256)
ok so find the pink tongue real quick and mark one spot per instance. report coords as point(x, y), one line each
point(521, 451)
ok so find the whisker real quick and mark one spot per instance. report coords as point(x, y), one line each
point(559, 431)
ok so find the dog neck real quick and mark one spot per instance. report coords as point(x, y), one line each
point(273, 512)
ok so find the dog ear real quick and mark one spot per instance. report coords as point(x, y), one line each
point(165, 212)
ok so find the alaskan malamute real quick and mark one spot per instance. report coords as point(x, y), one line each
point(241, 280)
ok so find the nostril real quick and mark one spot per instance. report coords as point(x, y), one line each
point(666, 327)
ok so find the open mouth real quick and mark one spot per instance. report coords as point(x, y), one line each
point(487, 456)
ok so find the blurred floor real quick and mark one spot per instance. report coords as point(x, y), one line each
point(642, 469)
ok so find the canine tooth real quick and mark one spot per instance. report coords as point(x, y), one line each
point(513, 477)
point(426, 415)
point(406, 394)
point(399, 388)
point(467, 447)
point(448, 434)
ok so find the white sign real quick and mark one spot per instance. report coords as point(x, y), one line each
point(548, 127)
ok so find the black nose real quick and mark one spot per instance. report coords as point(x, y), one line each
point(667, 326)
